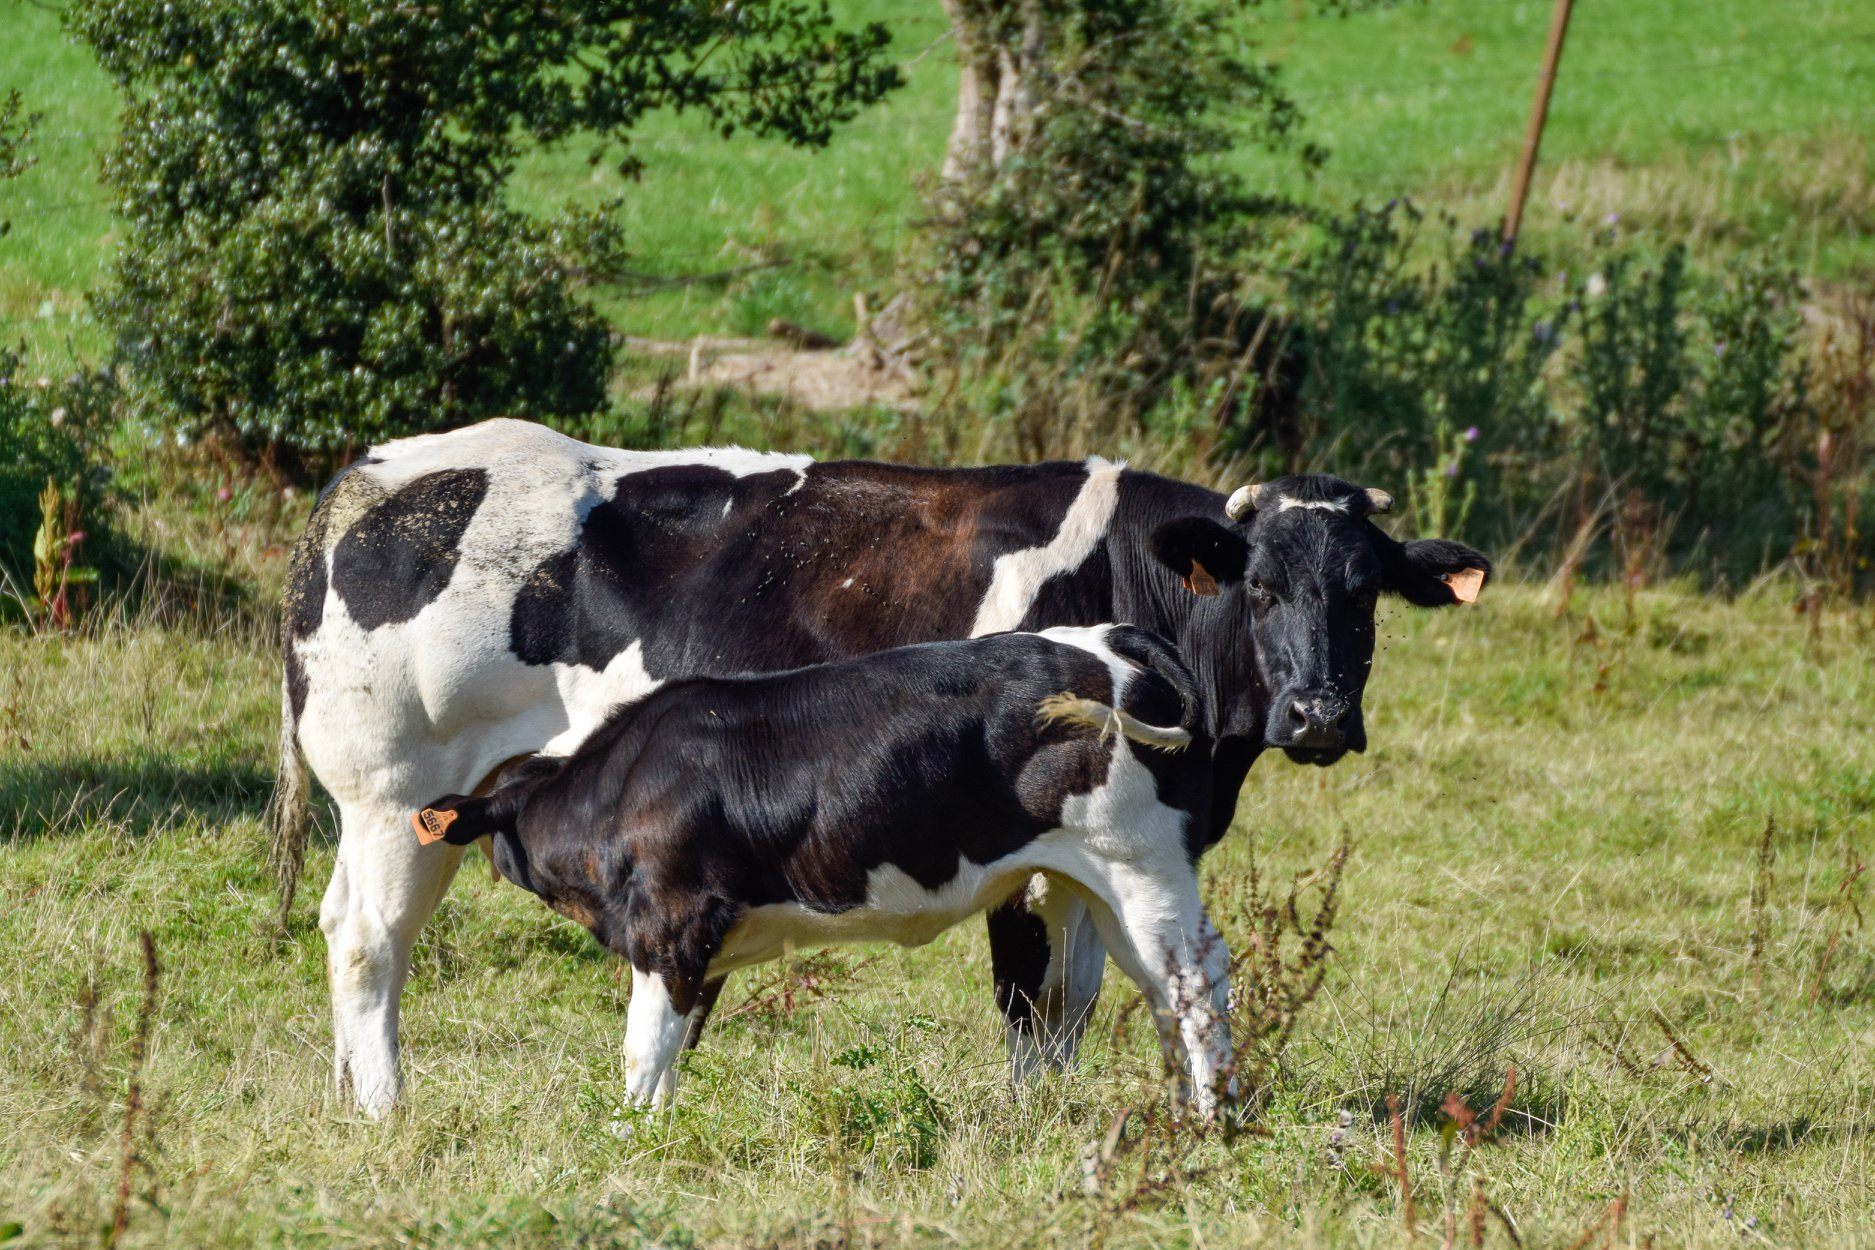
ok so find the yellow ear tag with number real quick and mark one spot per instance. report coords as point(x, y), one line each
point(1199, 581)
point(431, 824)
point(1465, 584)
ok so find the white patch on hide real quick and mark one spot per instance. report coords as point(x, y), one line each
point(1019, 575)
point(588, 696)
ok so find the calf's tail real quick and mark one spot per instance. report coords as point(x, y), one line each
point(1072, 709)
point(1155, 654)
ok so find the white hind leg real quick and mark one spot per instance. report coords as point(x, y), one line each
point(1050, 1033)
point(384, 887)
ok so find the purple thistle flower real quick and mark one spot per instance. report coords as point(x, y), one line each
point(1471, 434)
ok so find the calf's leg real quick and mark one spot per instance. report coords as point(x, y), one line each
point(700, 1014)
point(655, 1026)
point(1154, 923)
point(670, 944)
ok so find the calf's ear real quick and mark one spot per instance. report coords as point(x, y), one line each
point(1434, 572)
point(1202, 553)
point(456, 819)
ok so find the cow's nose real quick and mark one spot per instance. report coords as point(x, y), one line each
point(1317, 723)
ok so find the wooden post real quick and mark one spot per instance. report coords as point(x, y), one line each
point(1539, 112)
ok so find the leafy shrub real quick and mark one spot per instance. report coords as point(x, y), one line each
point(1496, 388)
point(15, 130)
point(1690, 389)
point(317, 252)
point(1420, 372)
point(878, 1109)
point(45, 435)
point(1078, 268)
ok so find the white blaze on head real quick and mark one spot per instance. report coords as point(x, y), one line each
point(1248, 499)
point(1321, 505)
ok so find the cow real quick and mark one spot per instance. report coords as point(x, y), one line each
point(462, 600)
point(720, 822)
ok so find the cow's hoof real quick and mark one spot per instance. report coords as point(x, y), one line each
point(626, 1117)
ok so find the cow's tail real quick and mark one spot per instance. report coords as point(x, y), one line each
point(1072, 709)
point(288, 810)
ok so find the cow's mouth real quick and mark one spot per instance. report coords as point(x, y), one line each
point(1321, 757)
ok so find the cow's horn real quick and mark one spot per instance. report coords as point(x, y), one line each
point(1378, 500)
point(1242, 503)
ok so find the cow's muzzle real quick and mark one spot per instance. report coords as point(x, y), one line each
point(1315, 727)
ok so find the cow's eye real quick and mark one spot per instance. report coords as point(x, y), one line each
point(1261, 589)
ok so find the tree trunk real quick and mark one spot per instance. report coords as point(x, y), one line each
point(999, 62)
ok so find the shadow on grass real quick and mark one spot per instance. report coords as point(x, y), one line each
point(135, 795)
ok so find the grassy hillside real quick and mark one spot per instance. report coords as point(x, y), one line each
point(1554, 840)
point(1725, 121)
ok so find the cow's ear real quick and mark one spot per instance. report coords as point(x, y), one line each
point(1434, 572)
point(1201, 553)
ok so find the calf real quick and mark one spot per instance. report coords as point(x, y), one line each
point(720, 822)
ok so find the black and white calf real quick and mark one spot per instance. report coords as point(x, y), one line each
point(720, 822)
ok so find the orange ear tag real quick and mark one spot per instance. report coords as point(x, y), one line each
point(431, 824)
point(1465, 584)
point(1199, 581)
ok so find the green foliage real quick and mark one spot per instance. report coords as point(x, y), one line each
point(1691, 390)
point(878, 1109)
point(1086, 255)
point(318, 251)
point(1412, 363)
point(16, 127)
point(45, 434)
point(1491, 385)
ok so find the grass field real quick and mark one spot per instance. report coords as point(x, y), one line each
point(1558, 860)
point(1721, 121)
point(1554, 838)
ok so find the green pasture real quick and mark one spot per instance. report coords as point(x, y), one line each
point(1555, 851)
point(1725, 122)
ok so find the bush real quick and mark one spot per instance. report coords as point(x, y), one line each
point(1080, 266)
point(1689, 390)
point(1430, 377)
point(318, 255)
point(1497, 388)
point(44, 438)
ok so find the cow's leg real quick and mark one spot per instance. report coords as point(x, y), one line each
point(700, 1014)
point(1156, 928)
point(383, 888)
point(1048, 961)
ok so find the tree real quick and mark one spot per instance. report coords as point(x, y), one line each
point(1084, 211)
point(16, 128)
point(318, 251)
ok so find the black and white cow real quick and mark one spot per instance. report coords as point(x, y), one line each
point(720, 822)
point(460, 600)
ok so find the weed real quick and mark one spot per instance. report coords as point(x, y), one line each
point(134, 1111)
point(1761, 881)
point(1845, 916)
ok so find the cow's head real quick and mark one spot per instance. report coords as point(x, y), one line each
point(1304, 561)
